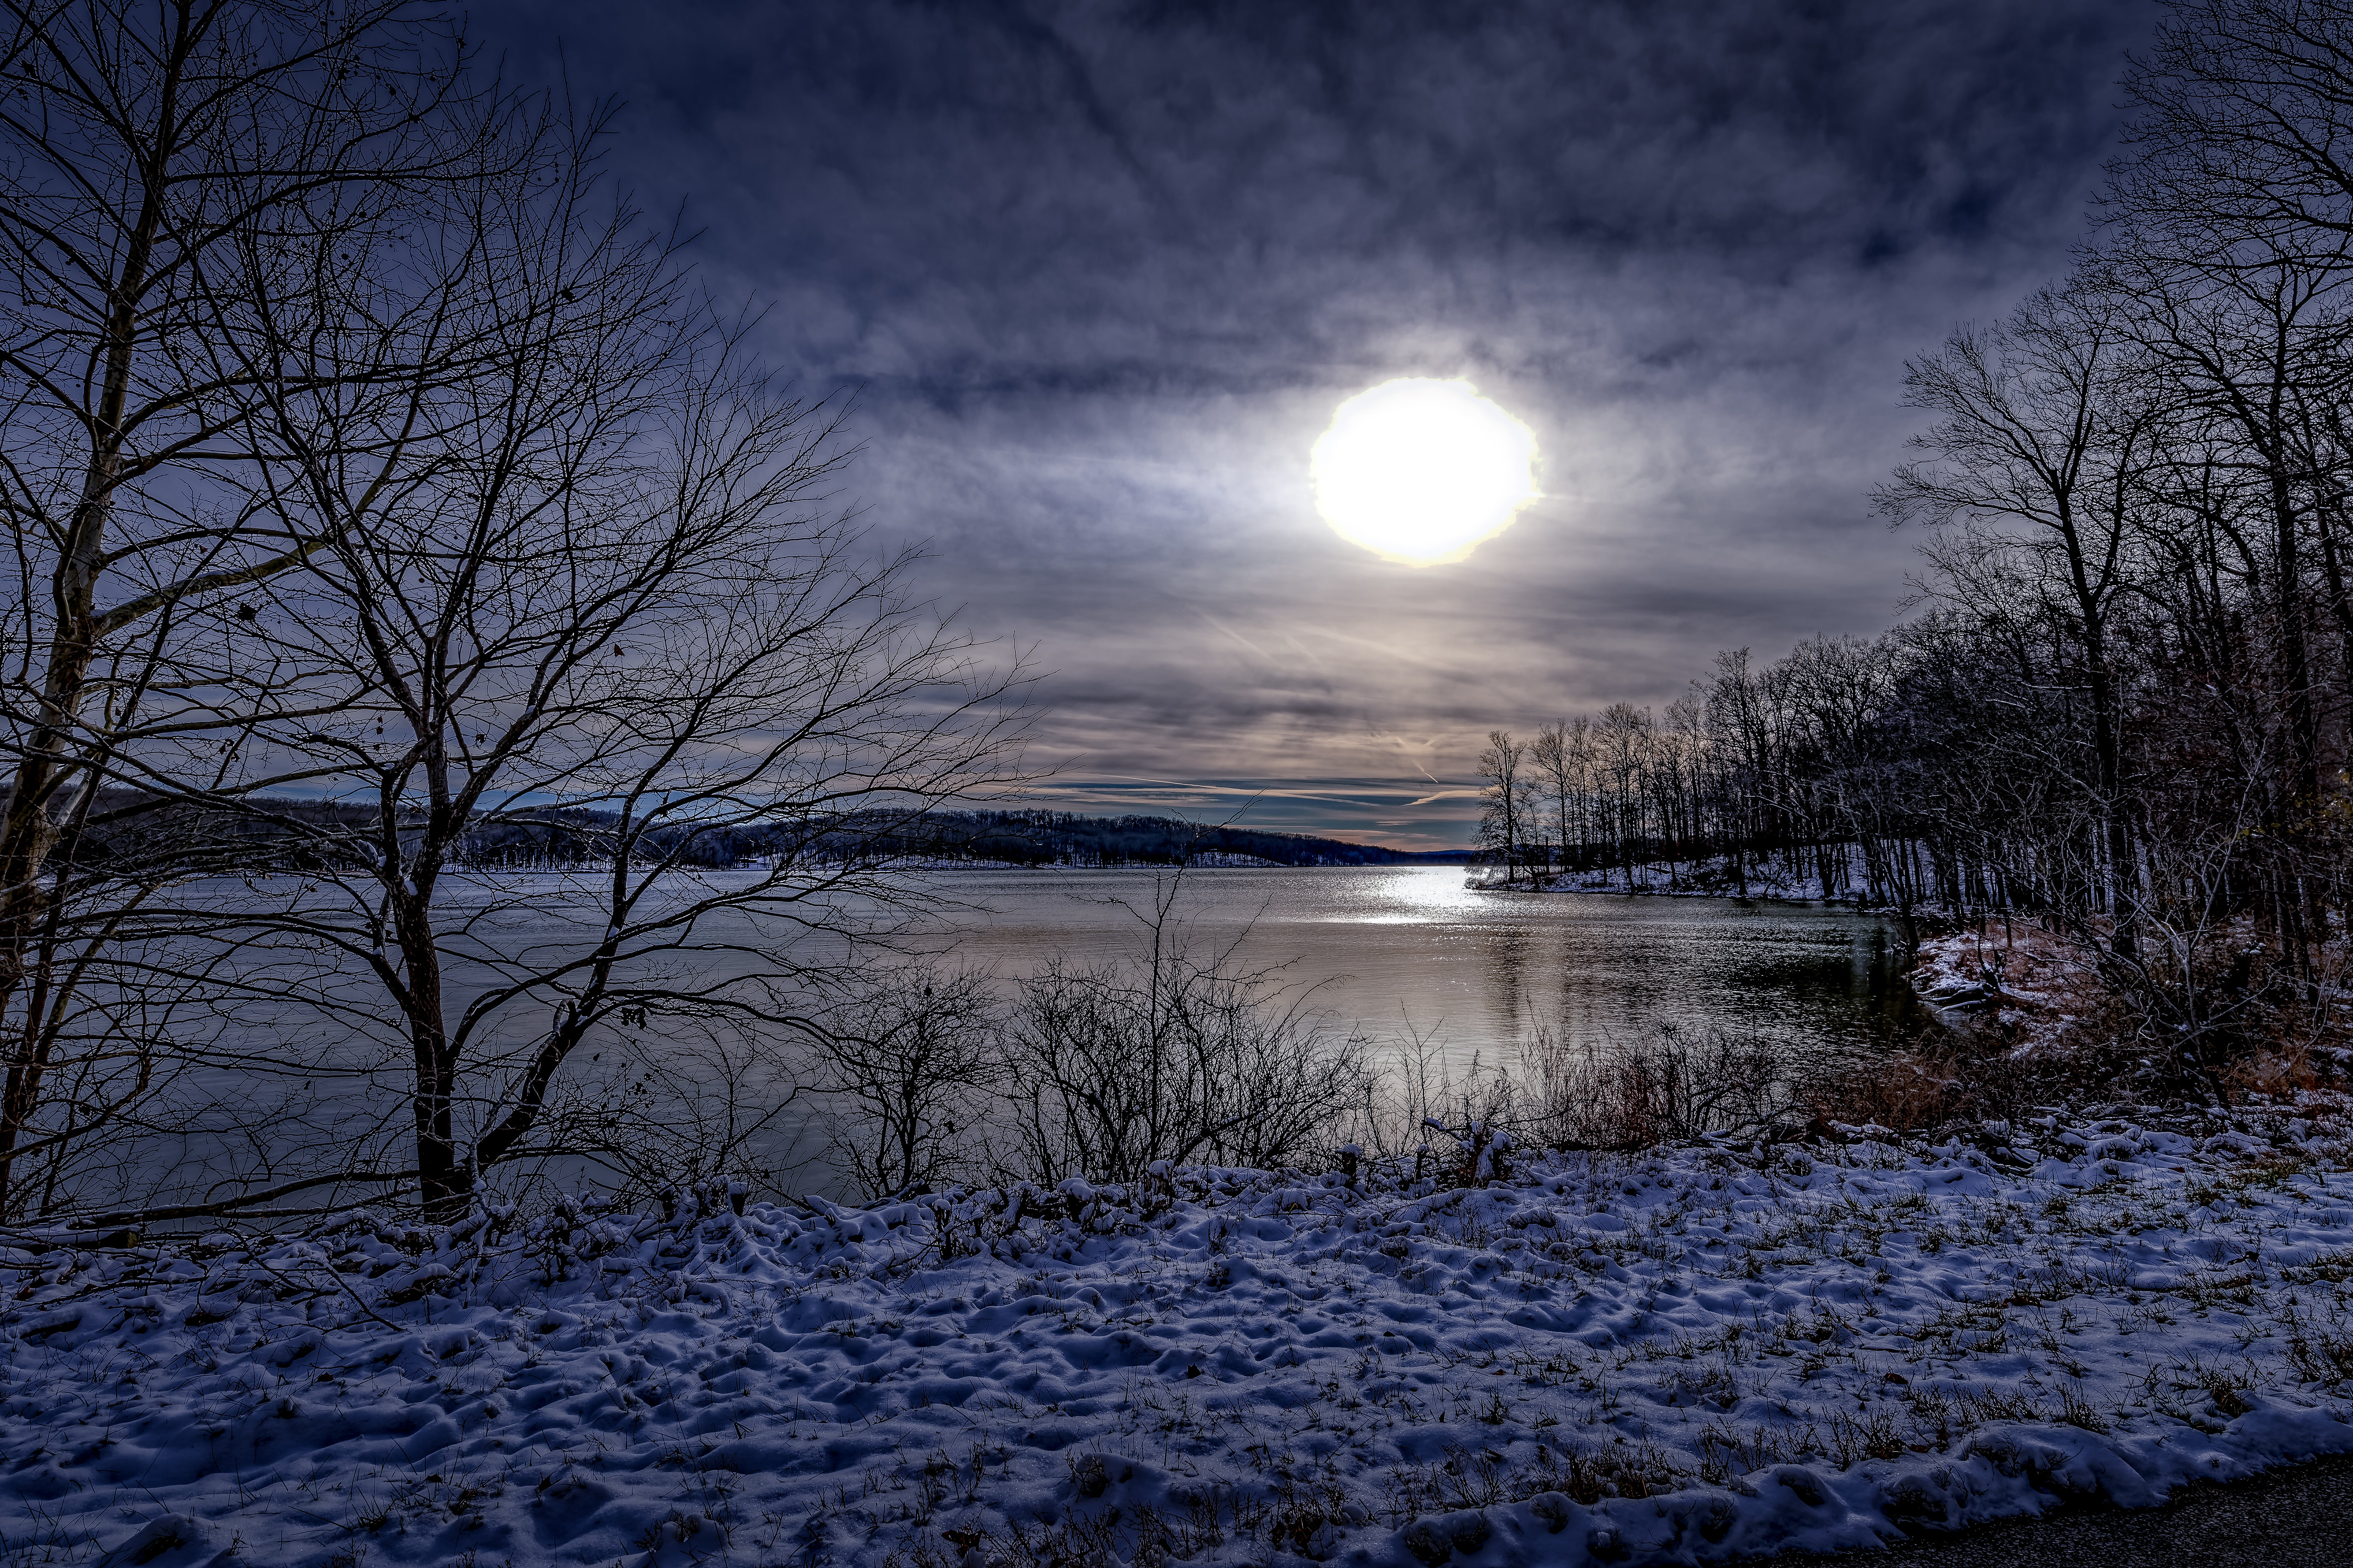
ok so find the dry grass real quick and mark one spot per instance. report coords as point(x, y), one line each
point(1942, 1079)
point(1675, 1084)
point(2214, 1015)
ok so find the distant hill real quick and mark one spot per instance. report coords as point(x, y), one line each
point(1064, 838)
point(997, 838)
point(284, 833)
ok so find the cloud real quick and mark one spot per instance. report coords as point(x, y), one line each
point(1102, 272)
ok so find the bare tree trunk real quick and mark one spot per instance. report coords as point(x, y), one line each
point(167, 165)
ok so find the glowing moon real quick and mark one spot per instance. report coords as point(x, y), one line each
point(1422, 471)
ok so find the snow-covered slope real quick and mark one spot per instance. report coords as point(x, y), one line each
point(1684, 1356)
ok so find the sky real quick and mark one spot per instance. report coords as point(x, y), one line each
point(1098, 275)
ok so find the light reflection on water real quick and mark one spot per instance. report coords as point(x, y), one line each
point(1395, 947)
point(1396, 951)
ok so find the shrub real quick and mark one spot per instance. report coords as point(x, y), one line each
point(912, 1061)
point(1173, 1056)
point(1676, 1083)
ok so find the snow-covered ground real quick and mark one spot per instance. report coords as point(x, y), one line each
point(2020, 978)
point(1687, 1355)
point(2045, 999)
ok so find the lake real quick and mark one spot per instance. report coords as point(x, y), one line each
point(1398, 953)
point(1399, 948)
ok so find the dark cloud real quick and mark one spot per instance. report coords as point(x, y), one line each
point(1101, 273)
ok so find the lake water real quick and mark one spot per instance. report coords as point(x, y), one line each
point(1399, 948)
point(1398, 953)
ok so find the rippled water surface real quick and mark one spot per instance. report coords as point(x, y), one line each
point(1399, 952)
point(1395, 947)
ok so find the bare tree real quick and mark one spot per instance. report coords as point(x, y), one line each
point(2243, 108)
point(913, 1060)
point(1622, 742)
point(1557, 755)
point(557, 562)
point(2231, 223)
point(1183, 1054)
point(2041, 438)
point(617, 600)
point(186, 188)
point(1505, 810)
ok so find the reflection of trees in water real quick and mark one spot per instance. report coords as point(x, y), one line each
point(1864, 983)
point(1807, 986)
point(1478, 973)
point(1507, 978)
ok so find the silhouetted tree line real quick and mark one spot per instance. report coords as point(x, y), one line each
point(275, 837)
point(1063, 837)
point(260, 839)
point(2122, 708)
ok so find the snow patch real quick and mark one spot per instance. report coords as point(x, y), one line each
point(1688, 1356)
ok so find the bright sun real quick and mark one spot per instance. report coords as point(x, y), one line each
point(1422, 471)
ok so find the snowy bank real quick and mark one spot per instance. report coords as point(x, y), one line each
point(1685, 1356)
point(2023, 980)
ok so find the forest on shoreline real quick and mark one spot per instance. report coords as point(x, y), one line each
point(2120, 713)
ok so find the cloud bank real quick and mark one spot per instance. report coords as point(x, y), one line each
point(1101, 273)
